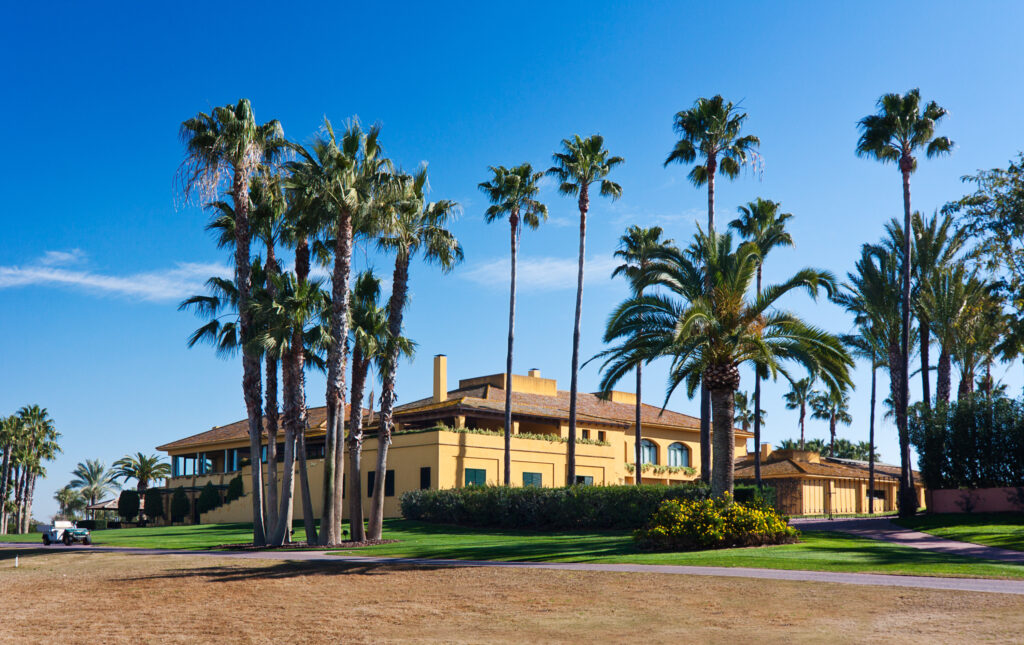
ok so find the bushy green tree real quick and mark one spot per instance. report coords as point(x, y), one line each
point(154, 503)
point(128, 504)
point(180, 505)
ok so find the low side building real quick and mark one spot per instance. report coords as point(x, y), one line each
point(453, 438)
point(807, 483)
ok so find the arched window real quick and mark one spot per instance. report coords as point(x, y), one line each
point(678, 455)
point(648, 452)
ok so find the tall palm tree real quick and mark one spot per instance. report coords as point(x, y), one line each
point(711, 130)
point(798, 398)
point(638, 248)
point(714, 332)
point(949, 301)
point(895, 134)
point(415, 226)
point(761, 222)
point(581, 163)
point(745, 415)
point(39, 445)
point(142, 468)
point(513, 194)
point(369, 338)
point(11, 432)
point(227, 147)
point(936, 245)
point(866, 345)
point(94, 480)
point(832, 406)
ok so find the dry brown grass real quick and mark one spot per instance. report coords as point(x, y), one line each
point(73, 596)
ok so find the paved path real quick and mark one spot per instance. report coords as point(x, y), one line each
point(882, 528)
point(883, 580)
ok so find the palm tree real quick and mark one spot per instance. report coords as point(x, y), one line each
point(832, 406)
point(414, 226)
point(745, 415)
point(581, 163)
point(711, 130)
point(977, 343)
point(94, 480)
point(369, 338)
point(513, 194)
point(39, 445)
point(714, 332)
point(227, 147)
point(811, 445)
point(865, 344)
point(761, 222)
point(798, 398)
point(10, 435)
point(638, 248)
point(69, 500)
point(899, 130)
point(949, 301)
point(142, 468)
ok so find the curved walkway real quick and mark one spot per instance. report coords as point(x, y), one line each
point(883, 580)
point(882, 528)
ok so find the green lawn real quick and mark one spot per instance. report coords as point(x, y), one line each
point(817, 551)
point(1005, 530)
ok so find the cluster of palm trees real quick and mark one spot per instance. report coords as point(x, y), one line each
point(28, 438)
point(317, 201)
point(92, 480)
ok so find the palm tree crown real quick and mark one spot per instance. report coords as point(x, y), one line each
point(142, 468)
point(94, 479)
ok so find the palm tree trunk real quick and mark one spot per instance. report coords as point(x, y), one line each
point(270, 405)
point(308, 517)
point(251, 386)
point(29, 494)
point(330, 518)
point(584, 204)
point(360, 368)
point(705, 394)
point(5, 476)
point(638, 439)
point(908, 497)
point(722, 405)
point(871, 443)
point(926, 381)
point(803, 415)
point(514, 222)
point(757, 406)
point(832, 434)
point(396, 308)
point(944, 377)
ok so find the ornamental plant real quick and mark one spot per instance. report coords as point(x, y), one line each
point(699, 524)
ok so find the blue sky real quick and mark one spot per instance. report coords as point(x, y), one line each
point(98, 248)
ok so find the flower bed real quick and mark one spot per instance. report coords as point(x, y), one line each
point(697, 524)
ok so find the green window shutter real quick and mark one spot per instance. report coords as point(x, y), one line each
point(476, 477)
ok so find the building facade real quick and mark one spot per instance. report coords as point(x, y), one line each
point(454, 438)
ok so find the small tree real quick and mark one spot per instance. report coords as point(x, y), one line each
point(179, 505)
point(128, 504)
point(154, 503)
point(235, 489)
point(209, 498)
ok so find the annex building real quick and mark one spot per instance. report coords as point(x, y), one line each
point(454, 438)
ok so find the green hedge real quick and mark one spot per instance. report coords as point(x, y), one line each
point(180, 505)
point(534, 507)
point(154, 503)
point(128, 504)
point(236, 488)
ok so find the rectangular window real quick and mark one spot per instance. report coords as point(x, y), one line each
point(371, 477)
point(586, 480)
point(533, 479)
point(425, 478)
point(600, 435)
point(476, 477)
point(586, 434)
point(389, 483)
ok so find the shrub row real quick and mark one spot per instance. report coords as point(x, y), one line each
point(534, 507)
point(689, 525)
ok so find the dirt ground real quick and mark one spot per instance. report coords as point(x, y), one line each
point(76, 597)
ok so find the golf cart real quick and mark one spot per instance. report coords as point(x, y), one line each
point(66, 532)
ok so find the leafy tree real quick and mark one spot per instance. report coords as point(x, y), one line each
point(745, 414)
point(860, 451)
point(513, 195)
point(581, 162)
point(70, 501)
point(236, 488)
point(711, 130)
point(153, 502)
point(128, 504)
point(813, 445)
point(638, 248)
point(227, 147)
point(950, 301)
point(895, 134)
point(798, 398)
point(834, 407)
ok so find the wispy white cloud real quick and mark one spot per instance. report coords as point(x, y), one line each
point(560, 222)
point(51, 270)
point(541, 273)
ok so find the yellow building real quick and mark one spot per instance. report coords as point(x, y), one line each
point(454, 438)
point(806, 483)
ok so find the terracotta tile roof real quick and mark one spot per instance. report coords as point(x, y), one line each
point(828, 467)
point(316, 420)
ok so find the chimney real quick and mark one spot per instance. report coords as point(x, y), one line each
point(440, 378)
point(534, 373)
point(766, 449)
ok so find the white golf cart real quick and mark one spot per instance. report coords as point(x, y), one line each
point(66, 532)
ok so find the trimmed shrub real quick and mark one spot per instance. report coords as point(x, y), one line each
point(751, 495)
point(92, 525)
point(154, 503)
point(236, 488)
point(180, 505)
point(685, 525)
point(209, 498)
point(534, 507)
point(128, 504)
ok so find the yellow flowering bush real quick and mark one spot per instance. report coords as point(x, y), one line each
point(685, 525)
